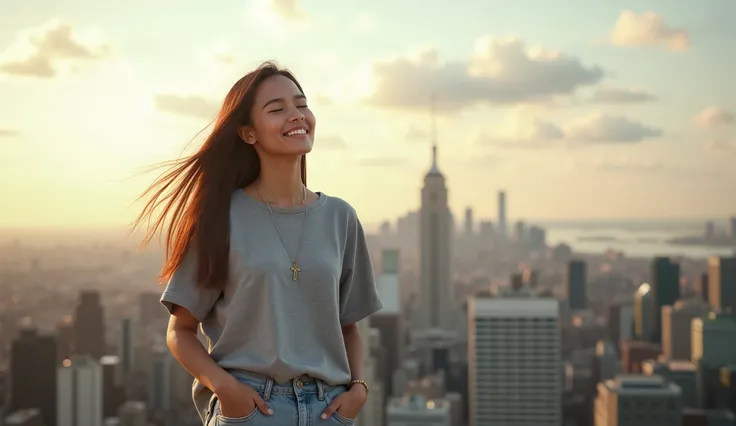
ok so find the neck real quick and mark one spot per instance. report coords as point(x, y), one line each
point(280, 181)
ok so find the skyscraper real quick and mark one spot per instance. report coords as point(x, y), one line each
point(436, 302)
point(665, 289)
point(576, 283)
point(515, 361)
point(502, 227)
point(89, 326)
point(722, 283)
point(80, 392)
point(33, 374)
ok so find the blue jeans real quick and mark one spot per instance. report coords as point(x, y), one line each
point(300, 402)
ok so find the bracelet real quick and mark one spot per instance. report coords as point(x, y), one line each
point(360, 382)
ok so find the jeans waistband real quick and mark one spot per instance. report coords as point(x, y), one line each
point(268, 386)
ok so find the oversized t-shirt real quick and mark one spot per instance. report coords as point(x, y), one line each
point(265, 322)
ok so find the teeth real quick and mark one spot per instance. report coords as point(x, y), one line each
point(296, 132)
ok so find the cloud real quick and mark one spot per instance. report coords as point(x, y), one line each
point(722, 145)
point(500, 71)
point(714, 116)
point(648, 29)
point(593, 128)
point(331, 142)
point(621, 96)
point(8, 133)
point(187, 105)
point(288, 10)
point(598, 127)
point(630, 165)
point(40, 52)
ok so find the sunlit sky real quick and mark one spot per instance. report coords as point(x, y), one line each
point(577, 109)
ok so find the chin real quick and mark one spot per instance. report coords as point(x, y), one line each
point(298, 147)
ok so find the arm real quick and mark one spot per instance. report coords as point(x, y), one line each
point(181, 338)
point(354, 348)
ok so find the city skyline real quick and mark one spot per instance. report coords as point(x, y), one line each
point(576, 112)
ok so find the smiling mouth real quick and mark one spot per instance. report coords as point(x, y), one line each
point(297, 132)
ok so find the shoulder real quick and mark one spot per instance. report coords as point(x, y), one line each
point(340, 206)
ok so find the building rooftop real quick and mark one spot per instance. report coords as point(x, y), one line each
point(513, 307)
point(641, 385)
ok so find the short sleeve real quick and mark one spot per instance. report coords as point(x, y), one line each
point(358, 293)
point(182, 290)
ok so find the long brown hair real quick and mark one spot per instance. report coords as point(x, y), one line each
point(196, 190)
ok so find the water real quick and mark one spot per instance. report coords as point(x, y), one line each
point(635, 240)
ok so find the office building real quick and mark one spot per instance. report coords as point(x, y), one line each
point(389, 320)
point(515, 365)
point(80, 392)
point(33, 363)
point(89, 326)
point(576, 283)
point(638, 401)
point(676, 322)
point(665, 289)
point(645, 311)
point(722, 283)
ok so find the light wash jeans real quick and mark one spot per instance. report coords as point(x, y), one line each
point(297, 403)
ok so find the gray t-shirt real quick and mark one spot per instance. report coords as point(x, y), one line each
point(263, 321)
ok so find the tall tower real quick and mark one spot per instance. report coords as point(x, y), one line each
point(502, 226)
point(436, 305)
point(89, 327)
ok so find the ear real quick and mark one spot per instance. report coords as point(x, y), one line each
point(247, 135)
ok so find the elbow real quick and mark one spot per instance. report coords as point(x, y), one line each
point(350, 328)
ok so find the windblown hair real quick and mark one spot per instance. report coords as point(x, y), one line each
point(195, 192)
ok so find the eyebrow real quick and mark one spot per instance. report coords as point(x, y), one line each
point(275, 100)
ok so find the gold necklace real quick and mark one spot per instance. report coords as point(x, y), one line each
point(294, 261)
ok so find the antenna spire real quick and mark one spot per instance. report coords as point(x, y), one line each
point(433, 135)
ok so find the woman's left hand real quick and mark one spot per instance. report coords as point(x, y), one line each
point(348, 403)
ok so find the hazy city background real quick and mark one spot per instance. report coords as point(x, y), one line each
point(565, 255)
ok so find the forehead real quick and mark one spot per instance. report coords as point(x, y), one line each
point(274, 87)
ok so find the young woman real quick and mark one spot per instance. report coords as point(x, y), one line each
point(277, 275)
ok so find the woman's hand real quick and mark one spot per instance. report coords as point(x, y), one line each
point(348, 403)
point(238, 399)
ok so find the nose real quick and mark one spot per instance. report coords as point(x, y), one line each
point(296, 115)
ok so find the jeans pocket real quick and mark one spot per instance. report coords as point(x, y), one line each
point(330, 395)
point(342, 419)
point(234, 420)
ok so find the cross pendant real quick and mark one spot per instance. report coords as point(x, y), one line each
point(294, 271)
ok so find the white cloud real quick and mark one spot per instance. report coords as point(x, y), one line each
point(648, 29)
point(42, 51)
point(8, 133)
point(599, 127)
point(595, 128)
point(289, 10)
point(278, 17)
point(621, 96)
point(195, 106)
point(500, 71)
point(714, 116)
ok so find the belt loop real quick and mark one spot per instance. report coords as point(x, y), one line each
point(267, 391)
point(320, 390)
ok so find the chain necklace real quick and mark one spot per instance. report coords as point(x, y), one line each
point(294, 260)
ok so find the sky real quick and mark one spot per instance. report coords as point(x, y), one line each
point(578, 110)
